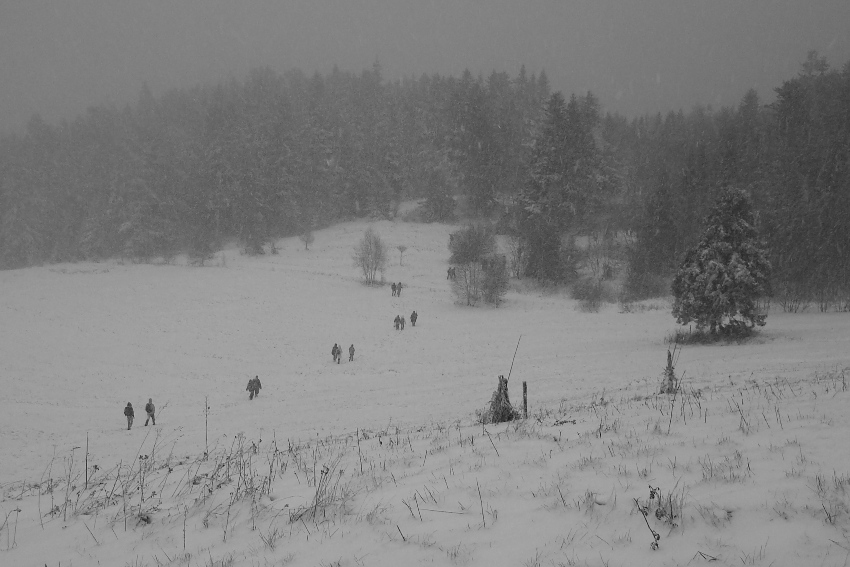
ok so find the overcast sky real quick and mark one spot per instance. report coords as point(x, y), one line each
point(59, 56)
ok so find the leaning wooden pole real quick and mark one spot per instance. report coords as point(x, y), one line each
point(514, 358)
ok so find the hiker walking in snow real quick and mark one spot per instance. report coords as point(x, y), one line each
point(397, 322)
point(413, 317)
point(338, 354)
point(335, 351)
point(128, 411)
point(402, 323)
point(150, 409)
point(393, 288)
point(253, 387)
point(398, 289)
point(351, 353)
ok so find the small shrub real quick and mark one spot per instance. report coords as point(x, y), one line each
point(632, 307)
point(703, 336)
point(591, 293)
point(587, 289)
point(271, 536)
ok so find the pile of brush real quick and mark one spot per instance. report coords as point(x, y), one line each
point(500, 409)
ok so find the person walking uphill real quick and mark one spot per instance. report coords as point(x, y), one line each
point(128, 411)
point(150, 409)
point(254, 387)
point(351, 353)
point(413, 317)
point(335, 351)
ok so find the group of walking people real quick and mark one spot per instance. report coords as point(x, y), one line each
point(254, 384)
point(336, 352)
point(399, 321)
point(130, 414)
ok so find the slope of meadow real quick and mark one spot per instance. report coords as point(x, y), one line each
point(380, 461)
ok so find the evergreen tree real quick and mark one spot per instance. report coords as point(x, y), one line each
point(563, 188)
point(722, 278)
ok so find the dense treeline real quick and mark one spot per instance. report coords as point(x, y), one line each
point(792, 156)
point(273, 155)
point(278, 155)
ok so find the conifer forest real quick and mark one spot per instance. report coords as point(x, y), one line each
point(277, 155)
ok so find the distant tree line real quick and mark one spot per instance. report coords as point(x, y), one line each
point(278, 155)
point(271, 156)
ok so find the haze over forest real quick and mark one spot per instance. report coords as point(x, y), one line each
point(58, 58)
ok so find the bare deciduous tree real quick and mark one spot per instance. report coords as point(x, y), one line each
point(307, 238)
point(370, 255)
point(467, 283)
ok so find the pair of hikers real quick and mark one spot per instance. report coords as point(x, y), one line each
point(396, 287)
point(336, 352)
point(150, 409)
point(254, 387)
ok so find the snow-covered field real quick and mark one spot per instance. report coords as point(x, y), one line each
point(751, 459)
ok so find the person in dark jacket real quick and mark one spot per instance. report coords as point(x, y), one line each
point(402, 323)
point(150, 409)
point(128, 411)
point(397, 322)
point(413, 317)
point(351, 353)
point(335, 351)
point(398, 289)
point(393, 288)
point(253, 387)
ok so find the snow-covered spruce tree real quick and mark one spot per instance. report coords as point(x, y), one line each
point(722, 278)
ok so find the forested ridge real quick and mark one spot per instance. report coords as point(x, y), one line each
point(282, 154)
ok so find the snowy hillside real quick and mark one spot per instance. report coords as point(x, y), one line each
point(380, 461)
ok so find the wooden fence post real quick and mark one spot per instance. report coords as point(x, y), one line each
point(524, 399)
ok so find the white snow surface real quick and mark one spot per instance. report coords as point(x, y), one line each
point(752, 456)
